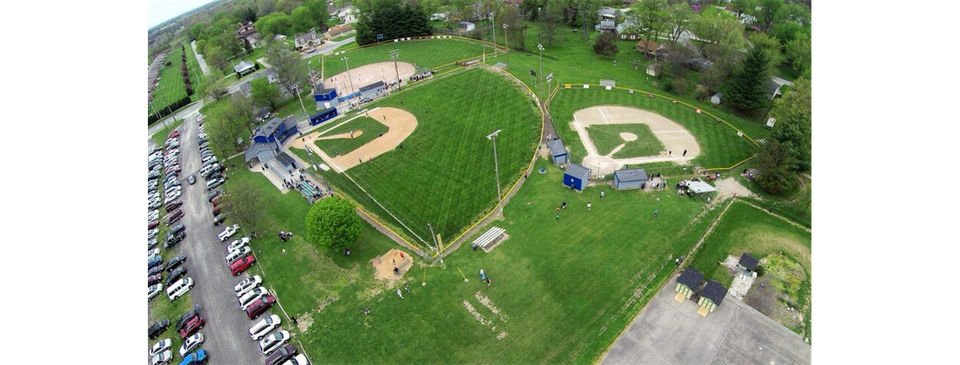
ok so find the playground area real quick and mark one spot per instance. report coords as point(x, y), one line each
point(391, 265)
point(678, 144)
point(368, 74)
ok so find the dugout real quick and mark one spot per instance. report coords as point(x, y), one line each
point(323, 116)
point(576, 177)
point(629, 179)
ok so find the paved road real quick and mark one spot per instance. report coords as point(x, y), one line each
point(669, 332)
point(226, 326)
point(200, 60)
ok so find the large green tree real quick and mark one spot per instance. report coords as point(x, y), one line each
point(291, 71)
point(798, 52)
point(333, 223)
point(778, 165)
point(651, 18)
point(265, 93)
point(793, 113)
point(245, 205)
point(679, 18)
point(746, 88)
point(225, 128)
point(391, 18)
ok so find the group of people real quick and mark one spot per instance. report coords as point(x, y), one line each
point(285, 236)
point(484, 278)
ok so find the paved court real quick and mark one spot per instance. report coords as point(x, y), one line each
point(668, 332)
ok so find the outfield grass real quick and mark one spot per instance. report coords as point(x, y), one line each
point(607, 137)
point(748, 229)
point(719, 144)
point(171, 87)
point(444, 174)
point(370, 127)
point(422, 53)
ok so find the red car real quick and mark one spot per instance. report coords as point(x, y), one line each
point(192, 326)
point(175, 216)
point(242, 265)
point(153, 279)
point(153, 224)
point(174, 134)
point(260, 305)
point(216, 210)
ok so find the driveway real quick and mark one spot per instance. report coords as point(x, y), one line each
point(226, 326)
point(668, 332)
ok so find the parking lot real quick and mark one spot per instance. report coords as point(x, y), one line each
point(668, 332)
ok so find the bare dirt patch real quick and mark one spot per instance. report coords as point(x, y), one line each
point(729, 187)
point(384, 265)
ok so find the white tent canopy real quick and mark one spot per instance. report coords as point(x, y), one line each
point(699, 187)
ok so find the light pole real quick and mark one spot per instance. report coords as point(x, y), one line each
point(506, 41)
point(496, 163)
point(297, 88)
point(494, 27)
point(540, 47)
point(394, 54)
point(348, 74)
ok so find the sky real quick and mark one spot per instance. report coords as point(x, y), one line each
point(159, 11)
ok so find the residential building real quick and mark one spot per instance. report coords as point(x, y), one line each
point(307, 41)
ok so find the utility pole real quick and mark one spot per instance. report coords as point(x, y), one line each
point(394, 54)
point(494, 27)
point(297, 88)
point(435, 244)
point(506, 41)
point(348, 73)
point(496, 162)
point(540, 47)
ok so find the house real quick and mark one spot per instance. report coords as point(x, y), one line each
point(698, 63)
point(247, 33)
point(629, 179)
point(347, 15)
point(439, 16)
point(716, 98)
point(710, 297)
point(372, 91)
point(262, 152)
point(656, 50)
point(688, 283)
point(606, 26)
point(774, 86)
point(279, 37)
point(323, 116)
point(607, 14)
point(557, 152)
point(576, 177)
point(244, 68)
point(748, 262)
point(464, 27)
point(339, 30)
point(275, 132)
point(307, 41)
point(626, 30)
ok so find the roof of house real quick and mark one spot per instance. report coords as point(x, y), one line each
point(577, 170)
point(337, 29)
point(259, 151)
point(243, 66)
point(608, 11)
point(556, 148)
point(630, 175)
point(775, 83)
point(714, 291)
point(719, 95)
point(284, 159)
point(654, 46)
point(274, 124)
point(608, 24)
point(375, 85)
point(748, 261)
point(691, 278)
point(464, 24)
point(306, 37)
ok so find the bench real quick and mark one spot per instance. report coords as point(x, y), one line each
point(489, 239)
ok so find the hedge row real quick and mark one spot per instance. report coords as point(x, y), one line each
point(153, 118)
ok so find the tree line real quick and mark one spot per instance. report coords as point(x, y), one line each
point(390, 19)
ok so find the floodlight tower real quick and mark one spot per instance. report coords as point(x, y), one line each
point(496, 163)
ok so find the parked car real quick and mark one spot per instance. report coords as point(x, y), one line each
point(153, 290)
point(174, 240)
point(191, 327)
point(192, 179)
point(229, 231)
point(242, 265)
point(214, 183)
point(264, 326)
point(151, 243)
point(179, 288)
point(216, 199)
point(237, 244)
point(186, 317)
point(160, 346)
point(215, 211)
point(235, 255)
point(191, 343)
point(153, 224)
point(273, 341)
point(251, 296)
point(174, 262)
point(260, 305)
point(175, 275)
point(247, 284)
point(154, 279)
point(177, 228)
point(300, 359)
point(157, 328)
point(198, 357)
point(162, 358)
point(175, 216)
point(218, 220)
point(155, 270)
point(152, 233)
point(280, 355)
point(213, 194)
point(154, 261)
point(174, 205)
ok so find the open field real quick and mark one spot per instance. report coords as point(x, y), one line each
point(719, 144)
point(421, 53)
point(365, 130)
point(171, 87)
point(748, 229)
point(443, 175)
point(608, 136)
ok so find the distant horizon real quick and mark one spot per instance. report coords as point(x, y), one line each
point(161, 11)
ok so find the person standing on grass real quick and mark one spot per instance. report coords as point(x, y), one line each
point(563, 205)
point(588, 206)
point(558, 216)
point(602, 193)
point(656, 213)
point(399, 293)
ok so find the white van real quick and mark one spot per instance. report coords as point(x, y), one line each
point(237, 254)
point(179, 288)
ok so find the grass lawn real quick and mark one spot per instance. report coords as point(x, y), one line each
point(171, 87)
point(422, 53)
point(719, 144)
point(607, 137)
point(370, 127)
point(444, 174)
point(748, 229)
point(795, 204)
point(559, 300)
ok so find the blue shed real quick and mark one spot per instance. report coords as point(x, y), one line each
point(576, 177)
point(558, 151)
point(275, 131)
point(629, 179)
point(323, 116)
point(321, 95)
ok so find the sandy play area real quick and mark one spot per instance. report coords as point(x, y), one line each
point(384, 265)
point(368, 74)
point(673, 136)
point(401, 124)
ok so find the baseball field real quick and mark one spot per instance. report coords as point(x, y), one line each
point(421, 53)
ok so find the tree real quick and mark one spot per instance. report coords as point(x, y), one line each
point(319, 14)
point(216, 86)
point(587, 12)
point(679, 19)
point(245, 205)
point(516, 30)
point(223, 129)
point(333, 223)
point(769, 44)
point(273, 24)
point(391, 18)
point(766, 13)
point(301, 20)
point(798, 52)
point(265, 93)
point(719, 34)
point(215, 55)
point(246, 14)
point(777, 164)
point(291, 71)
point(793, 115)
point(743, 6)
point(651, 19)
point(606, 44)
point(196, 30)
point(746, 90)
point(550, 19)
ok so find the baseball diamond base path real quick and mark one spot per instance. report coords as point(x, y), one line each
point(368, 74)
point(674, 137)
point(401, 124)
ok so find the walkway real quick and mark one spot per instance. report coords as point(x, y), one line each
point(200, 60)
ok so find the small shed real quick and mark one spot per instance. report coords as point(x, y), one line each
point(322, 94)
point(748, 262)
point(323, 116)
point(466, 27)
point(716, 99)
point(286, 161)
point(576, 177)
point(710, 297)
point(558, 152)
point(688, 283)
point(652, 70)
point(629, 179)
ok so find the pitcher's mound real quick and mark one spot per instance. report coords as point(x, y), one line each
point(627, 136)
point(356, 133)
point(384, 265)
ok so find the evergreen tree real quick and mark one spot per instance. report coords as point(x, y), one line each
point(746, 89)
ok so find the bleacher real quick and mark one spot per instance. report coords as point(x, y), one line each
point(489, 239)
